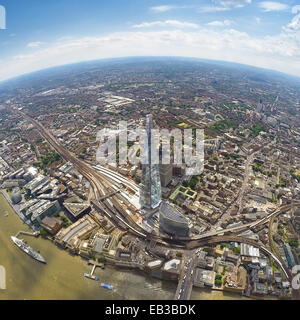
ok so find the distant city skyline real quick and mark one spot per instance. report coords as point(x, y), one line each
point(42, 34)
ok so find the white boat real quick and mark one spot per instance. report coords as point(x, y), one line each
point(28, 250)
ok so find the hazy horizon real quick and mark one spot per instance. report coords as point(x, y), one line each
point(153, 58)
point(44, 34)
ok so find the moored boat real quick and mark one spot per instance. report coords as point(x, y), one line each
point(107, 286)
point(21, 244)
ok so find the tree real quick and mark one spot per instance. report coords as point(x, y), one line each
point(43, 232)
point(223, 245)
point(27, 197)
point(185, 184)
point(293, 243)
point(208, 250)
point(218, 277)
point(237, 250)
point(224, 270)
point(178, 254)
point(193, 182)
point(218, 282)
point(101, 260)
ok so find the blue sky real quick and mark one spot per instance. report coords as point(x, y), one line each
point(45, 33)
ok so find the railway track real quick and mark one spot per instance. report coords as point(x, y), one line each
point(110, 207)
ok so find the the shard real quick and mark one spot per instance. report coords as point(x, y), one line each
point(150, 193)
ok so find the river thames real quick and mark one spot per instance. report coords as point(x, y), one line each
point(62, 277)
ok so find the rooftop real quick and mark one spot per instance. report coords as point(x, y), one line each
point(172, 213)
point(172, 264)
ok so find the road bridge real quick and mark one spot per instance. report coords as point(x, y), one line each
point(109, 195)
point(186, 278)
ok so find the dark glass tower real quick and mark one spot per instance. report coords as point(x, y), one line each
point(150, 193)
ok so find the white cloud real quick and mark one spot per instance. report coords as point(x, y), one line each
point(213, 9)
point(296, 9)
point(167, 23)
point(294, 25)
point(258, 20)
point(218, 23)
point(268, 6)
point(218, 5)
point(34, 44)
point(165, 8)
point(233, 3)
point(224, 5)
point(162, 8)
point(280, 52)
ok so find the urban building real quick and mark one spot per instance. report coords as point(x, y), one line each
point(71, 237)
point(249, 251)
point(35, 210)
point(171, 269)
point(166, 174)
point(204, 278)
point(260, 289)
point(28, 204)
point(153, 265)
point(289, 255)
point(36, 184)
point(236, 280)
point(93, 247)
point(48, 208)
point(231, 257)
point(77, 210)
point(172, 221)
point(51, 225)
point(16, 196)
point(150, 194)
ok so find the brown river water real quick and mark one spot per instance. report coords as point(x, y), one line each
point(62, 276)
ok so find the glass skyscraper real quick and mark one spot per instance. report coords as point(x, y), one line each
point(150, 193)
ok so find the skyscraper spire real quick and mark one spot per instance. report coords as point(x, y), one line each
point(150, 194)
